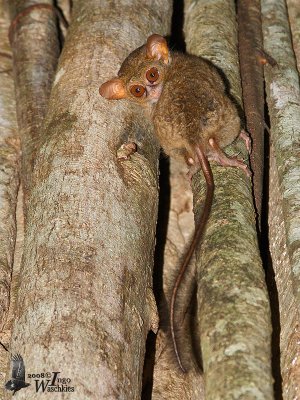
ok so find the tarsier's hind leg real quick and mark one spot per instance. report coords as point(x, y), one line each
point(217, 154)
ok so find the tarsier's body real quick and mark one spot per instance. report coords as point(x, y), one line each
point(193, 118)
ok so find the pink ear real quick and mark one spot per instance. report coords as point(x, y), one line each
point(157, 48)
point(113, 89)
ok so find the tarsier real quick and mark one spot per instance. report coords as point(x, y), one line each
point(193, 118)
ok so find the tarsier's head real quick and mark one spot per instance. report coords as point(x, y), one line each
point(141, 75)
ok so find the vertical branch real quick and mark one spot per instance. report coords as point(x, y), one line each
point(233, 306)
point(286, 365)
point(294, 19)
point(9, 160)
point(282, 84)
point(34, 41)
point(250, 43)
point(9, 182)
point(13, 290)
point(283, 96)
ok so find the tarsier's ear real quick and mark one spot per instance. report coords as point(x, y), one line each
point(157, 48)
point(113, 89)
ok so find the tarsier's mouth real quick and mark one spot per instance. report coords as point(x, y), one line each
point(154, 91)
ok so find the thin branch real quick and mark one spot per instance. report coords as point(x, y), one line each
point(250, 47)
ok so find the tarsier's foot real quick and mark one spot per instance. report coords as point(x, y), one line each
point(246, 138)
point(126, 150)
point(217, 154)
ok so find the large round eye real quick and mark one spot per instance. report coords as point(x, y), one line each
point(152, 75)
point(137, 90)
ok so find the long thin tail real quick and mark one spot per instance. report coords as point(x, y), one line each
point(207, 172)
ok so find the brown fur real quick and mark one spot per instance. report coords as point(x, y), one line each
point(192, 107)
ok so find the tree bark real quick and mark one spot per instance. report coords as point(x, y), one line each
point(287, 368)
point(294, 19)
point(65, 9)
point(283, 96)
point(9, 172)
point(13, 291)
point(9, 183)
point(282, 85)
point(250, 43)
point(233, 307)
point(34, 41)
point(85, 300)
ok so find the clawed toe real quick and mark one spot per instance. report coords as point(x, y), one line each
point(246, 138)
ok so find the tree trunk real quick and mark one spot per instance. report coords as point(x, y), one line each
point(85, 300)
point(233, 307)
